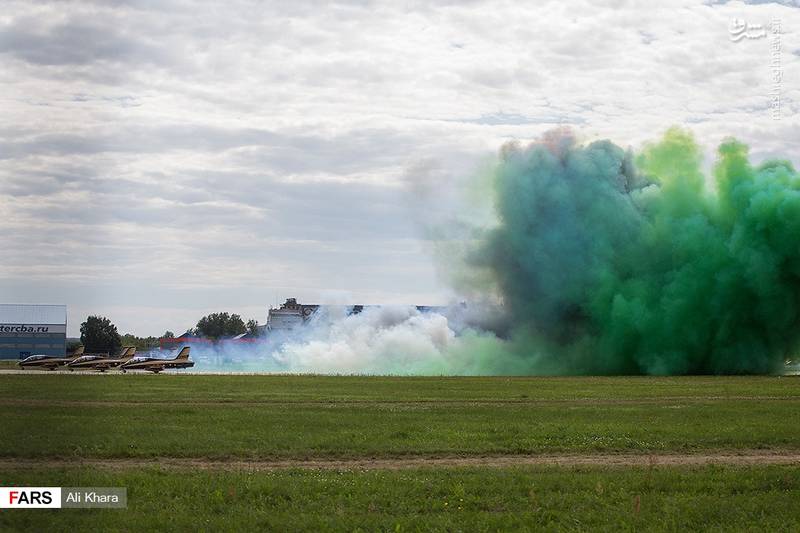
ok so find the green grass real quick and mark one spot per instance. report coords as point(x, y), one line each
point(145, 416)
point(309, 417)
point(512, 499)
point(289, 388)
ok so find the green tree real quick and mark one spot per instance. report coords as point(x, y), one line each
point(218, 325)
point(168, 335)
point(252, 326)
point(99, 335)
point(143, 344)
point(73, 345)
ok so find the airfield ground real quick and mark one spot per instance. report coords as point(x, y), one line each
point(310, 452)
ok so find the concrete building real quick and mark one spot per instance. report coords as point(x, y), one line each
point(290, 315)
point(32, 329)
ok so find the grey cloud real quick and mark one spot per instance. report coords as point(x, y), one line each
point(280, 152)
point(515, 119)
point(339, 154)
point(246, 203)
point(787, 3)
point(136, 139)
point(75, 42)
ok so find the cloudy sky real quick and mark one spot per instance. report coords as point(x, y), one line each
point(161, 159)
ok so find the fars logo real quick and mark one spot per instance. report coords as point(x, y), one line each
point(30, 497)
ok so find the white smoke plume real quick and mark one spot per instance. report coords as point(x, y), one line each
point(378, 340)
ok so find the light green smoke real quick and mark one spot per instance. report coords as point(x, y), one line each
point(615, 263)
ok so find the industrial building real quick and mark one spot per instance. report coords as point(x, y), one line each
point(30, 329)
point(291, 315)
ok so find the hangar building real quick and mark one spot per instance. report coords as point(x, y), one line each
point(32, 329)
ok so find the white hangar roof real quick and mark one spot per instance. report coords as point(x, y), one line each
point(33, 314)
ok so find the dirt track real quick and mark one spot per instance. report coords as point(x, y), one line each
point(663, 401)
point(742, 458)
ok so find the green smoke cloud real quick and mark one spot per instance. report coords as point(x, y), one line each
point(610, 263)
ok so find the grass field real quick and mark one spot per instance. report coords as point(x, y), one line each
point(90, 430)
point(471, 499)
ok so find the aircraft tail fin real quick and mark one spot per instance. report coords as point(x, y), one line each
point(184, 353)
point(126, 350)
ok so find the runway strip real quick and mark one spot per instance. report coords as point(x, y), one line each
point(742, 458)
point(790, 372)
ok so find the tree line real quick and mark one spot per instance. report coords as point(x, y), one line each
point(100, 335)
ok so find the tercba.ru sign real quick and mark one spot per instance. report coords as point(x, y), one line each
point(32, 328)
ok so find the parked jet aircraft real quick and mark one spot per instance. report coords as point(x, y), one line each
point(156, 365)
point(50, 362)
point(102, 362)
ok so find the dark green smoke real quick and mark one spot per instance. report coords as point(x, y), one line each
point(612, 263)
